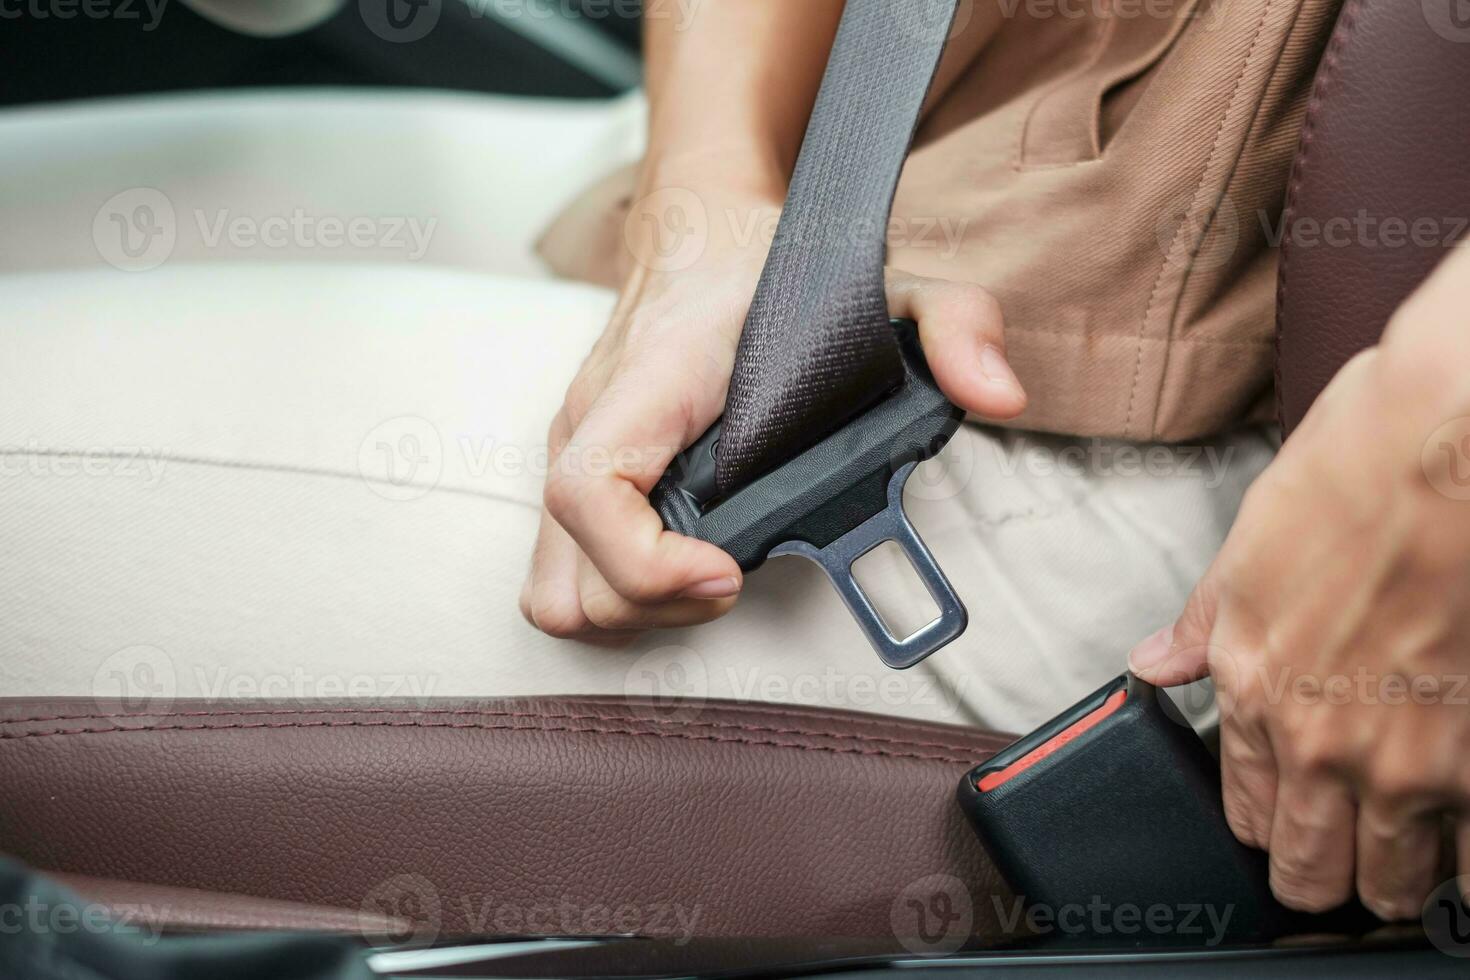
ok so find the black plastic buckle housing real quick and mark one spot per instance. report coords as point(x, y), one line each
point(1116, 803)
point(835, 502)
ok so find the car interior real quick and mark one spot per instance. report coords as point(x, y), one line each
point(801, 835)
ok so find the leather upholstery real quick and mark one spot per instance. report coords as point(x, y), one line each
point(171, 909)
point(1387, 135)
point(489, 817)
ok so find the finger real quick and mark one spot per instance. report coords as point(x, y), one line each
point(1180, 653)
point(550, 601)
point(963, 335)
point(605, 609)
point(1312, 842)
point(1248, 780)
point(613, 522)
point(633, 432)
point(549, 597)
point(1398, 855)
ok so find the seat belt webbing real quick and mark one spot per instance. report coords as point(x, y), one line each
point(817, 348)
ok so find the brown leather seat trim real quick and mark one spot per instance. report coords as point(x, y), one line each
point(514, 721)
point(467, 817)
point(1386, 135)
point(166, 909)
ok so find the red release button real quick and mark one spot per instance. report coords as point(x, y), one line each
point(1056, 743)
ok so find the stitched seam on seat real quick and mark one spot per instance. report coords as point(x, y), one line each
point(1320, 91)
point(1199, 187)
point(964, 760)
point(452, 712)
point(887, 721)
point(288, 469)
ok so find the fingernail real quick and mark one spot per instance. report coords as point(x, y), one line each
point(715, 588)
point(1152, 651)
point(996, 368)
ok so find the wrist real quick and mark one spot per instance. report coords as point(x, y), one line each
point(724, 173)
point(1417, 422)
point(685, 215)
point(1425, 348)
point(1423, 385)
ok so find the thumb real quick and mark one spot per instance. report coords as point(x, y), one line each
point(1179, 653)
point(962, 331)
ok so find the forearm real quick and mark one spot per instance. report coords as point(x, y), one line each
point(730, 90)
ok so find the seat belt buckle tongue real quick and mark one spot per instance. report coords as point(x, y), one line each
point(834, 503)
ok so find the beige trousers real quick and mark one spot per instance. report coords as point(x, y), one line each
point(245, 453)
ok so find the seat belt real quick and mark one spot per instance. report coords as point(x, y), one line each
point(816, 348)
point(831, 404)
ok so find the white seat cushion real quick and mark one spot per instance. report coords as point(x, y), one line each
point(484, 174)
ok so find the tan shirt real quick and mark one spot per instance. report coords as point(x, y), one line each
point(1114, 171)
